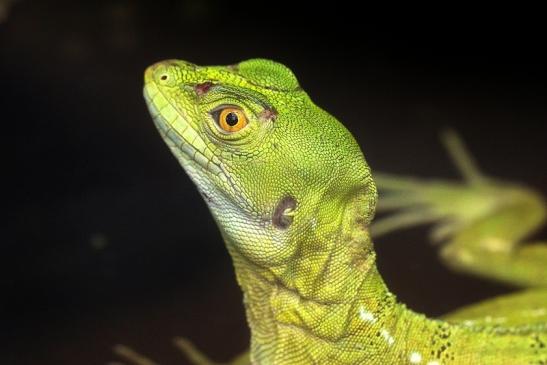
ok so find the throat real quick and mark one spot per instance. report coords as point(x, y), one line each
point(324, 296)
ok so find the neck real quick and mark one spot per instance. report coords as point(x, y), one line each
point(329, 304)
point(329, 292)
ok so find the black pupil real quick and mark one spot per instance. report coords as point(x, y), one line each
point(231, 119)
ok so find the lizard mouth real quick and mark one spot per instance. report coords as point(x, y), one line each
point(191, 150)
point(178, 133)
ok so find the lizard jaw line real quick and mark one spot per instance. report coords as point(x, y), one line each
point(180, 140)
point(192, 159)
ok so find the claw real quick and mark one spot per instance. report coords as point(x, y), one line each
point(400, 220)
point(461, 157)
point(133, 356)
point(196, 357)
point(191, 352)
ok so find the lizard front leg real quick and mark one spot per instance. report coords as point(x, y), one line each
point(481, 222)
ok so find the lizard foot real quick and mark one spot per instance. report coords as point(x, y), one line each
point(188, 349)
point(450, 205)
point(480, 221)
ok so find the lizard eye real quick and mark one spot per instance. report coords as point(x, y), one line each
point(230, 119)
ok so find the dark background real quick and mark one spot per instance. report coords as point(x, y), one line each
point(107, 241)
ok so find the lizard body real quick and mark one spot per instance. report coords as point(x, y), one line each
point(293, 198)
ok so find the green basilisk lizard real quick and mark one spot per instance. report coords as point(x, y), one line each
point(294, 198)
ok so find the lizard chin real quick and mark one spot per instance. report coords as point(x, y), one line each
point(170, 131)
point(208, 173)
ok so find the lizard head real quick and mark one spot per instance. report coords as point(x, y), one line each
point(272, 166)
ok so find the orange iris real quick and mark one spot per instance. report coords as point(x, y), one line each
point(232, 120)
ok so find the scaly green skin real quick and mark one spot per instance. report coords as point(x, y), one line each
point(293, 197)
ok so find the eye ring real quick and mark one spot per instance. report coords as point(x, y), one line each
point(231, 119)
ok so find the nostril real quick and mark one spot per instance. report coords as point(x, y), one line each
point(163, 77)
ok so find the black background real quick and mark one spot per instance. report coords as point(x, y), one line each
point(107, 241)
